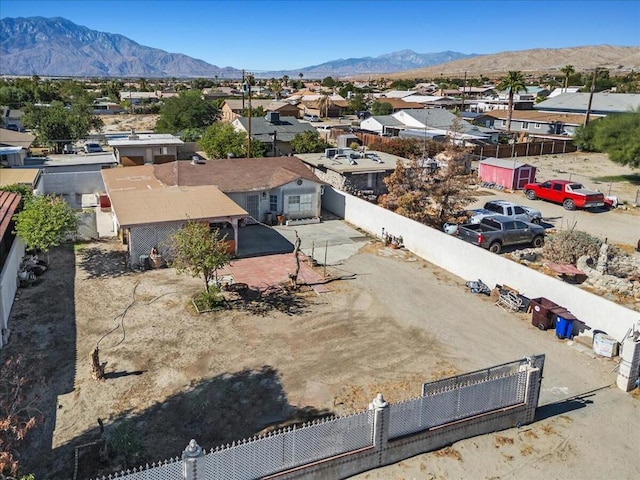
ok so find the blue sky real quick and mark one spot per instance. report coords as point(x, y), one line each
point(274, 35)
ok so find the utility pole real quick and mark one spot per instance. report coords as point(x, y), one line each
point(243, 84)
point(249, 82)
point(464, 87)
point(593, 87)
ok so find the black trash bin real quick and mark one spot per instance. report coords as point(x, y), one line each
point(542, 312)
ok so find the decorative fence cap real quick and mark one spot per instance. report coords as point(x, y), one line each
point(193, 450)
point(378, 402)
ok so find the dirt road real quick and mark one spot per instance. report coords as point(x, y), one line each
point(173, 375)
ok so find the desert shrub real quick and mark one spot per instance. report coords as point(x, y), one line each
point(566, 246)
point(210, 300)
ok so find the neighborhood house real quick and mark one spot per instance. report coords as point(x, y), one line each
point(149, 202)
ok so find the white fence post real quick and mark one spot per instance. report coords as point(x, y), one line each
point(629, 369)
point(380, 410)
point(190, 457)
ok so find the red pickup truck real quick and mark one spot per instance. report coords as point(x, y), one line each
point(570, 194)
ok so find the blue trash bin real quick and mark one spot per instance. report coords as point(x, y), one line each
point(564, 326)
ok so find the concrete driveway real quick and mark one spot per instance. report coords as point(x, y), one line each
point(328, 243)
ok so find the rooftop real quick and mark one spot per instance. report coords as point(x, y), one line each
point(372, 162)
point(138, 139)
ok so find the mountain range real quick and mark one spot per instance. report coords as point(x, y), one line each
point(57, 47)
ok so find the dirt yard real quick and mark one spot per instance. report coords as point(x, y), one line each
point(126, 122)
point(173, 375)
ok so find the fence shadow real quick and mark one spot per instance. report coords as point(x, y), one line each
point(43, 334)
point(217, 411)
point(570, 404)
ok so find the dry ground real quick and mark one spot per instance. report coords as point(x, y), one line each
point(173, 375)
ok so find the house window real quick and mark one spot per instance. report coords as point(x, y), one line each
point(273, 203)
point(537, 125)
point(300, 203)
point(525, 125)
point(370, 180)
point(504, 123)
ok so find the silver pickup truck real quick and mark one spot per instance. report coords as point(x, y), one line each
point(508, 209)
point(499, 231)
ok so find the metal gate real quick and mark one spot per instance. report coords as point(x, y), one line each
point(253, 208)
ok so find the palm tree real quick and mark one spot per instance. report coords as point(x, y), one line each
point(323, 104)
point(514, 82)
point(568, 70)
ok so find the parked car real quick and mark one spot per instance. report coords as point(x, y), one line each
point(92, 148)
point(69, 149)
point(570, 195)
point(311, 118)
point(508, 209)
point(499, 231)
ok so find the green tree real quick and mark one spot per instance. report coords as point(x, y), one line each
point(188, 110)
point(221, 139)
point(196, 250)
point(329, 82)
point(617, 135)
point(357, 103)
point(25, 192)
point(56, 125)
point(381, 108)
point(308, 142)
point(513, 83)
point(13, 97)
point(568, 70)
point(45, 222)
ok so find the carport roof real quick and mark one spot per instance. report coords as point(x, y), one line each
point(26, 176)
point(172, 204)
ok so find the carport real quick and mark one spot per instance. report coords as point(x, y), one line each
point(145, 219)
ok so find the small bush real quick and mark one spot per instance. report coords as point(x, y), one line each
point(210, 300)
point(566, 246)
point(126, 444)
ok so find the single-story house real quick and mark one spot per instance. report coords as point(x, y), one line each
point(358, 173)
point(11, 119)
point(508, 173)
point(143, 148)
point(437, 120)
point(149, 202)
point(532, 122)
point(11, 253)
point(234, 108)
point(400, 103)
point(274, 130)
point(11, 138)
point(602, 103)
point(431, 101)
point(394, 94)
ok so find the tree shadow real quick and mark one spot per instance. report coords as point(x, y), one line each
point(264, 301)
point(99, 262)
point(112, 375)
point(217, 411)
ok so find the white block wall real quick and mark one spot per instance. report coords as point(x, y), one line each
point(471, 263)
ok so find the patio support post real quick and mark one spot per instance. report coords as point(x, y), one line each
point(234, 224)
